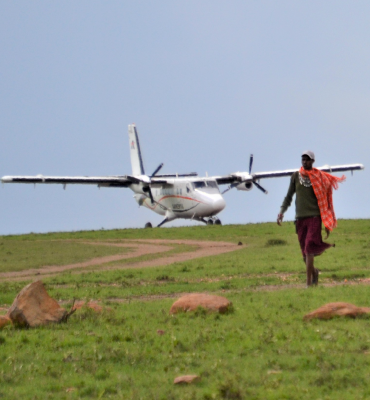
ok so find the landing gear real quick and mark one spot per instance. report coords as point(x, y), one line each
point(210, 221)
point(148, 225)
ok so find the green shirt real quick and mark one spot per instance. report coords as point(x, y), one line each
point(305, 202)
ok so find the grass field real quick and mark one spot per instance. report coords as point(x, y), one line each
point(262, 349)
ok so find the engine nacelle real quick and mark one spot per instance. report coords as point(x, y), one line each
point(247, 186)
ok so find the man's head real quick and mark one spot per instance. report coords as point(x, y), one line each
point(308, 158)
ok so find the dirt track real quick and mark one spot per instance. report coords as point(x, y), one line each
point(140, 248)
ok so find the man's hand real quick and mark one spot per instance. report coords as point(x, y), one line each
point(327, 233)
point(280, 219)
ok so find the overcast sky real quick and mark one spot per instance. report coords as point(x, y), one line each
point(206, 82)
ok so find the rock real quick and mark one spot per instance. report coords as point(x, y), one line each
point(338, 309)
point(186, 379)
point(94, 305)
point(240, 244)
point(191, 302)
point(4, 321)
point(33, 307)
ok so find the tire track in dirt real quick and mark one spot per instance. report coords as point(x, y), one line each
point(141, 248)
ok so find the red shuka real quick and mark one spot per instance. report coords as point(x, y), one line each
point(323, 184)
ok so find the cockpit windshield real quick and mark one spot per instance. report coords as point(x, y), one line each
point(206, 186)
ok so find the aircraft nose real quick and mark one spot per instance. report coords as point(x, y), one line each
point(219, 204)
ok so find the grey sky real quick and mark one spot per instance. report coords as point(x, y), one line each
point(206, 82)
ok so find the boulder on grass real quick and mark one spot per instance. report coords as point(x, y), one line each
point(33, 307)
point(4, 320)
point(338, 309)
point(191, 302)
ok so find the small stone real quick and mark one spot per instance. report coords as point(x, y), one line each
point(337, 309)
point(191, 302)
point(274, 372)
point(186, 379)
point(94, 305)
point(240, 244)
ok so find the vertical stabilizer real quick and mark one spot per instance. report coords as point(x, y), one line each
point(135, 152)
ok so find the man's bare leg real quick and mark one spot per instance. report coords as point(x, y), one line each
point(309, 268)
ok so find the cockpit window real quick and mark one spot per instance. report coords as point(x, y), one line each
point(206, 186)
point(198, 185)
point(212, 184)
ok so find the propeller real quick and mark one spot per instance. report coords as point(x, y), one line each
point(253, 181)
point(147, 189)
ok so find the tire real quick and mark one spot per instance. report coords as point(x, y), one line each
point(218, 222)
point(210, 222)
point(148, 225)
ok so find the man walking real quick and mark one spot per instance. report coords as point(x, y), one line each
point(314, 205)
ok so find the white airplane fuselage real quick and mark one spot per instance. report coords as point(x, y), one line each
point(184, 198)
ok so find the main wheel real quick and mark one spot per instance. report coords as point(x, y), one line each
point(210, 222)
point(148, 225)
point(218, 222)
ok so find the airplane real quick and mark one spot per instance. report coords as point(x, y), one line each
point(174, 196)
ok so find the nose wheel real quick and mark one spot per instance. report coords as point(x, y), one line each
point(148, 225)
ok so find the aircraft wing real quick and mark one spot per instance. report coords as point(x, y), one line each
point(326, 168)
point(239, 177)
point(101, 181)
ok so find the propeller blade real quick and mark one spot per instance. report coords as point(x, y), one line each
point(151, 196)
point(250, 163)
point(146, 189)
point(260, 187)
point(156, 171)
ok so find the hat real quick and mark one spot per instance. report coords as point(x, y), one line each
point(310, 154)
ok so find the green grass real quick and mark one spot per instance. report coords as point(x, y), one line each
point(261, 350)
point(18, 255)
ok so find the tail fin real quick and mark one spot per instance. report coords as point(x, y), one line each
point(136, 159)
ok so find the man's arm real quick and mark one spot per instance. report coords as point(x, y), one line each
point(287, 201)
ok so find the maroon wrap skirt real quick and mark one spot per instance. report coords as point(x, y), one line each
point(309, 236)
